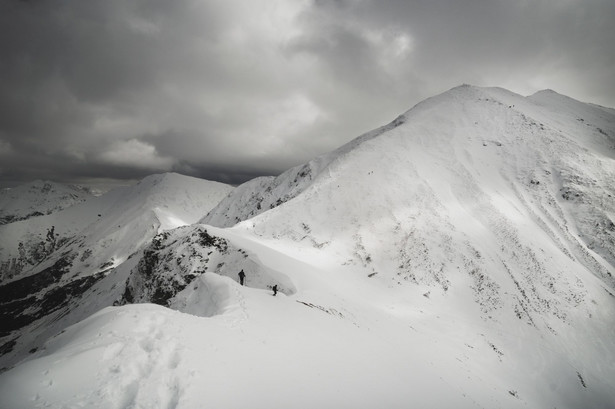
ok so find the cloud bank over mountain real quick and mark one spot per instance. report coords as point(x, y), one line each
point(232, 90)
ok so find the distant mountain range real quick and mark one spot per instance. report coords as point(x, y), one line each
point(461, 256)
point(38, 198)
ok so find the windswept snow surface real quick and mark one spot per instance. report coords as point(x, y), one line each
point(461, 256)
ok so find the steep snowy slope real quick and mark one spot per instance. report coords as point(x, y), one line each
point(87, 241)
point(461, 256)
point(507, 198)
point(470, 156)
point(121, 221)
point(38, 198)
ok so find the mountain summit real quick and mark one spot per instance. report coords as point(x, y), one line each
point(460, 256)
point(468, 163)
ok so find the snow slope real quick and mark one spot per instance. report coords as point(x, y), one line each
point(461, 256)
point(113, 226)
point(90, 240)
point(337, 342)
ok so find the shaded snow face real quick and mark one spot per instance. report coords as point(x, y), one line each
point(461, 256)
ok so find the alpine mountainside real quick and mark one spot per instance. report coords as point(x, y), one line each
point(460, 256)
point(472, 183)
point(480, 156)
point(50, 260)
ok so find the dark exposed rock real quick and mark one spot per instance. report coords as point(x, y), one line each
point(30, 298)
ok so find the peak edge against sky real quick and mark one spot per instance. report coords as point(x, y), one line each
point(228, 91)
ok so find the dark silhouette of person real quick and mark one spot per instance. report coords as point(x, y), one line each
point(275, 289)
point(242, 275)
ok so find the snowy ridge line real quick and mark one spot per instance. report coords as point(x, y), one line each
point(57, 258)
point(467, 245)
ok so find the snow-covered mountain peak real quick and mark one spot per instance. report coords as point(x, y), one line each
point(469, 245)
point(462, 166)
point(116, 223)
point(465, 103)
point(508, 196)
point(549, 95)
point(162, 180)
point(463, 122)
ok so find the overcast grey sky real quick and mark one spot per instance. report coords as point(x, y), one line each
point(229, 90)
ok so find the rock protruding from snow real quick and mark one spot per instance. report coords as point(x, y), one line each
point(47, 262)
point(103, 231)
point(169, 267)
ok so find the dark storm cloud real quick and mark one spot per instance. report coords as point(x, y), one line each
point(519, 44)
point(229, 90)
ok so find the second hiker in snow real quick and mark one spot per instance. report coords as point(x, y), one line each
point(242, 275)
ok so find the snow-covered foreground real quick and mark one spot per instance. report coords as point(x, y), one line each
point(461, 256)
point(337, 342)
